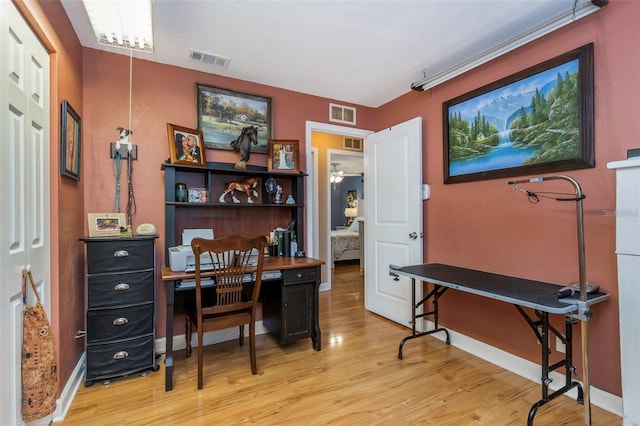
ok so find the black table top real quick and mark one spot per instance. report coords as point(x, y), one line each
point(518, 291)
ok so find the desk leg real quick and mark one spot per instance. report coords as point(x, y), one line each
point(316, 337)
point(435, 295)
point(168, 360)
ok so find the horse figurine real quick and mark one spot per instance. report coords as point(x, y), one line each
point(242, 145)
point(247, 186)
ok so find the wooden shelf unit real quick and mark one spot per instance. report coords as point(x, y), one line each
point(229, 218)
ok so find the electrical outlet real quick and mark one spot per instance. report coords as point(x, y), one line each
point(124, 151)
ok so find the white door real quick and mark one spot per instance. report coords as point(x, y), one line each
point(24, 191)
point(393, 224)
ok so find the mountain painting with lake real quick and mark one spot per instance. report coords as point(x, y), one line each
point(531, 121)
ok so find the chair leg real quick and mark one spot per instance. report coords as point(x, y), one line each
point(241, 336)
point(187, 334)
point(252, 346)
point(200, 356)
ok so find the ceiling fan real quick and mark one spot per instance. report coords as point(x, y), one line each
point(336, 176)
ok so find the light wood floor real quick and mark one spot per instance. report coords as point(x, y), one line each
point(356, 379)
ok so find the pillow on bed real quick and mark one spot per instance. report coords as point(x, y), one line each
point(355, 225)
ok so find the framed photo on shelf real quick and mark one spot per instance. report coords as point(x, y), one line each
point(106, 224)
point(539, 120)
point(282, 155)
point(223, 114)
point(70, 140)
point(186, 146)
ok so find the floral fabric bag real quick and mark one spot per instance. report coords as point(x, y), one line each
point(39, 366)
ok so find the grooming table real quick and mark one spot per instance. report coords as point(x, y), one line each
point(522, 293)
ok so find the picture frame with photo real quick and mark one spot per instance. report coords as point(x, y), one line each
point(186, 146)
point(70, 141)
point(106, 224)
point(283, 155)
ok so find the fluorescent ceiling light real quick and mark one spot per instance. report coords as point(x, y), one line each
point(122, 23)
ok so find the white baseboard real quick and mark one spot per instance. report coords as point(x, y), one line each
point(525, 368)
point(69, 392)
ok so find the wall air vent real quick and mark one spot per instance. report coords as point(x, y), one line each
point(352, 144)
point(342, 114)
point(209, 58)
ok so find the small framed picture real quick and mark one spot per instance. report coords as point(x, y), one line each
point(282, 155)
point(186, 146)
point(106, 224)
point(70, 134)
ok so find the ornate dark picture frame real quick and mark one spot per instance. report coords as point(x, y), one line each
point(223, 113)
point(536, 121)
point(70, 141)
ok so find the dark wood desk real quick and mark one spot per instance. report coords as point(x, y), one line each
point(540, 296)
point(294, 270)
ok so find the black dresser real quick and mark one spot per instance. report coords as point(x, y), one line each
point(120, 328)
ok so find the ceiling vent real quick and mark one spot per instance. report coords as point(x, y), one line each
point(209, 58)
point(342, 114)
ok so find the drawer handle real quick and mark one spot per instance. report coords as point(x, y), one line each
point(121, 287)
point(120, 321)
point(299, 275)
point(120, 355)
point(121, 253)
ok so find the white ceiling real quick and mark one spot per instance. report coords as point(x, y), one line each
point(366, 52)
point(349, 164)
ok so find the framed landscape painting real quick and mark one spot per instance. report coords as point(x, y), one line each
point(539, 120)
point(223, 113)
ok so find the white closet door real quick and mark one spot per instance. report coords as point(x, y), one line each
point(24, 191)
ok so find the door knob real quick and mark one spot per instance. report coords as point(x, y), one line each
point(413, 235)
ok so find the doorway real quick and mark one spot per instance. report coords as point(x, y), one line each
point(345, 205)
point(318, 166)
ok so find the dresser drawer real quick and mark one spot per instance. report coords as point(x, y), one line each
point(302, 275)
point(120, 289)
point(119, 255)
point(116, 324)
point(120, 358)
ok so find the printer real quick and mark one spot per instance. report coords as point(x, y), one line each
point(181, 258)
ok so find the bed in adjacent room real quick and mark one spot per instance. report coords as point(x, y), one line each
point(345, 243)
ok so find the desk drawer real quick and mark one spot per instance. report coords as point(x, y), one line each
point(301, 275)
point(119, 358)
point(116, 324)
point(119, 256)
point(120, 289)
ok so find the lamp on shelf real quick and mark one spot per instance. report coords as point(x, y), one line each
point(350, 213)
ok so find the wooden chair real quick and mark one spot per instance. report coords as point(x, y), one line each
point(233, 304)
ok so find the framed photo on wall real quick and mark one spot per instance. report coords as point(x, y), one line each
point(223, 113)
point(282, 155)
point(70, 141)
point(539, 120)
point(186, 145)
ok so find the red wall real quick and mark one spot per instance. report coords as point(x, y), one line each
point(167, 94)
point(487, 225)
